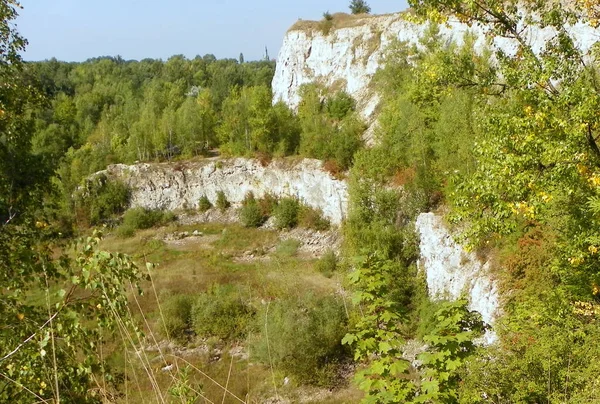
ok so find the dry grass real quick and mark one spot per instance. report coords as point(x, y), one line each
point(192, 270)
point(341, 20)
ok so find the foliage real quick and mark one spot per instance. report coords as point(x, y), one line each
point(286, 213)
point(222, 202)
point(52, 347)
point(324, 136)
point(312, 355)
point(359, 7)
point(251, 214)
point(545, 356)
point(101, 198)
point(376, 337)
point(540, 152)
point(176, 317)
point(451, 343)
point(204, 204)
point(327, 264)
point(221, 312)
point(311, 218)
point(288, 248)
point(143, 218)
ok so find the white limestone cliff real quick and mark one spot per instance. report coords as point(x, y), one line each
point(451, 272)
point(349, 56)
point(172, 186)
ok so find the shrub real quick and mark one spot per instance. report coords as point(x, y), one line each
point(304, 338)
point(124, 231)
point(204, 204)
point(250, 212)
point(176, 318)
point(288, 248)
point(327, 265)
point(267, 204)
point(221, 313)
point(327, 16)
point(101, 199)
point(222, 202)
point(142, 218)
point(340, 105)
point(311, 218)
point(286, 213)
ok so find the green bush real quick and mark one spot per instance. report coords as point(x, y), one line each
point(340, 105)
point(221, 313)
point(286, 213)
point(176, 319)
point(327, 264)
point(125, 231)
point(311, 218)
point(142, 218)
point(287, 248)
point(304, 338)
point(267, 204)
point(102, 198)
point(251, 213)
point(222, 202)
point(204, 204)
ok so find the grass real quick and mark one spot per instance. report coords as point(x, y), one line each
point(192, 266)
point(339, 21)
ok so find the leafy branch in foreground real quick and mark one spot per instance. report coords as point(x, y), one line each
point(376, 339)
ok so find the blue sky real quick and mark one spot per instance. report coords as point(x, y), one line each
point(75, 30)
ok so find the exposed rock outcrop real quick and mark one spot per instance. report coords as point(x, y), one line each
point(174, 186)
point(348, 55)
point(452, 272)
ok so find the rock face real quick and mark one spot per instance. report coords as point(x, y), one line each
point(452, 272)
point(180, 185)
point(348, 56)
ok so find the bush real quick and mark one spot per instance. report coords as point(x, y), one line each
point(311, 218)
point(327, 16)
point(125, 231)
point(327, 265)
point(204, 204)
point(250, 212)
point(267, 204)
point(222, 202)
point(101, 199)
point(286, 213)
point(176, 320)
point(340, 105)
point(221, 313)
point(287, 248)
point(142, 218)
point(304, 338)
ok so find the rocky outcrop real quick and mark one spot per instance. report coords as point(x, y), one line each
point(452, 272)
point(173, 186)
point(349, 54)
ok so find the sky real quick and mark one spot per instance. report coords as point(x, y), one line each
point(76, 30)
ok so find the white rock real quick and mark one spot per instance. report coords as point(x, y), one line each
point(179, 186)
point(452, 272)
point(349, 57)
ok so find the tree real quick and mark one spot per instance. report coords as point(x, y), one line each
point(541, 150)
point(56, 312)
point(359, 7)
